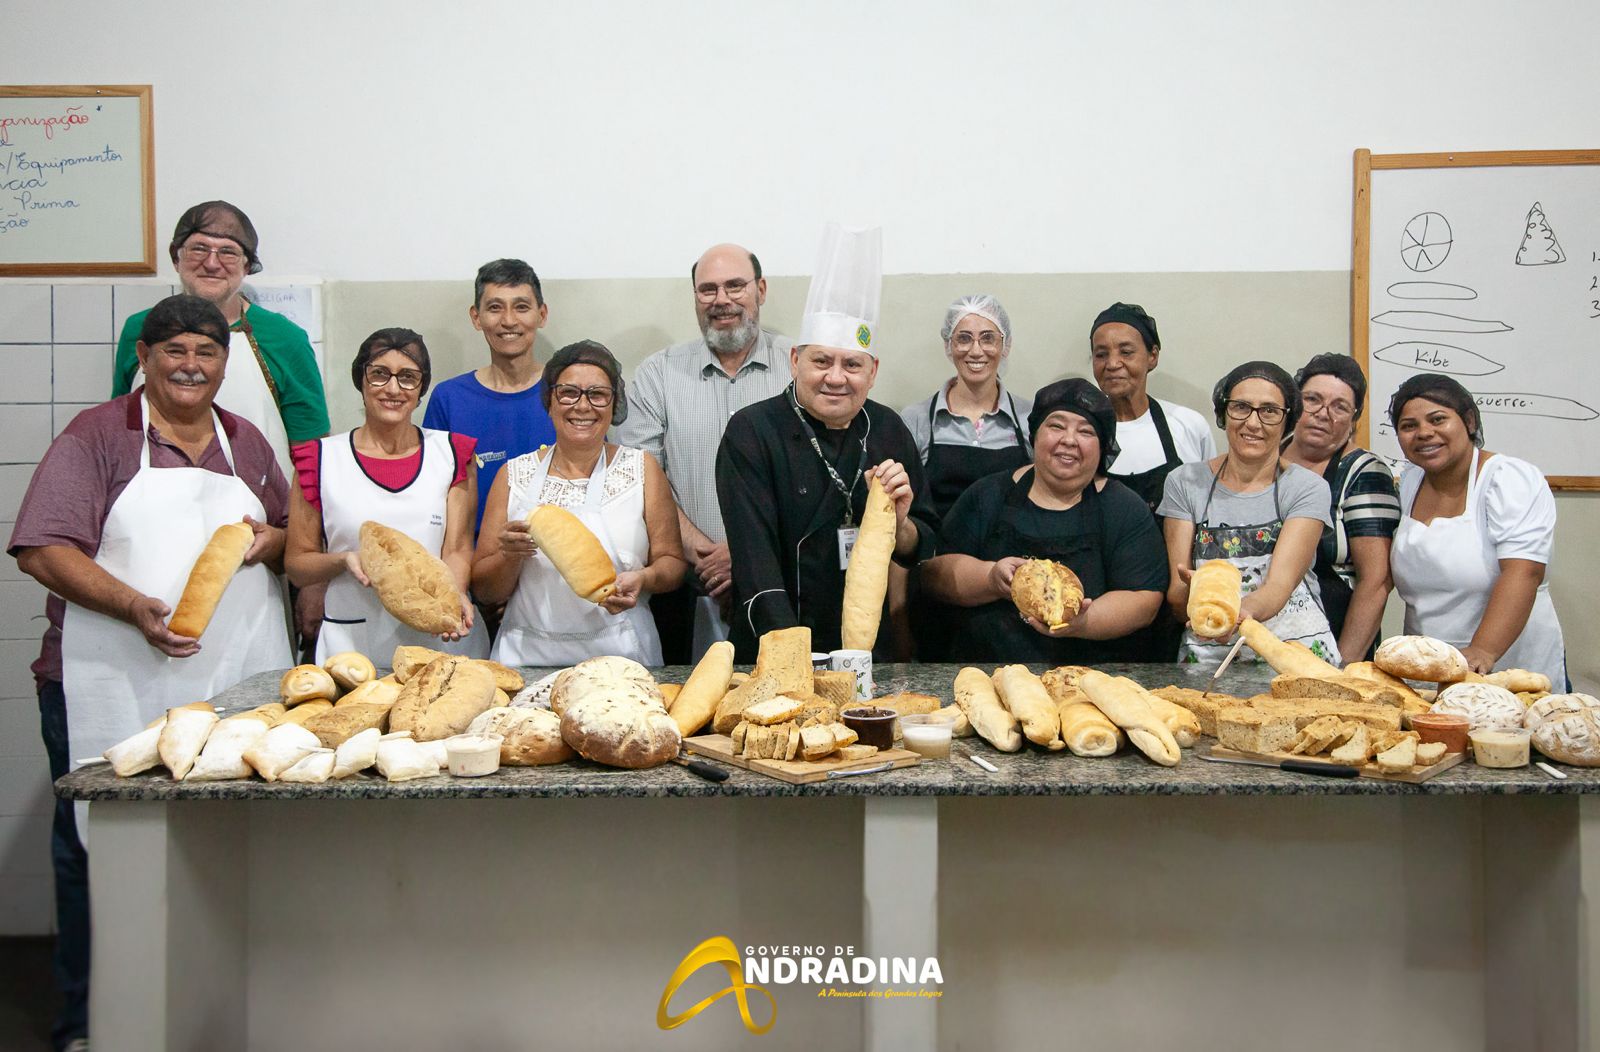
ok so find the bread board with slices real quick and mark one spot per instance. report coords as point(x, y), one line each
point(1415, 776)
point(720, 747)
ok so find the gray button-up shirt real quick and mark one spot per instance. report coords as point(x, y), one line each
point(679, 402)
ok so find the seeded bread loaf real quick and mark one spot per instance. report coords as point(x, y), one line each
point(412, 583)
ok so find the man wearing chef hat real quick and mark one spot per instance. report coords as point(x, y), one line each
point(793, 470)
point(124, 501)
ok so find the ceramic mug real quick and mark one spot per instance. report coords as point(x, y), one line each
point(820, 662)
point(858, 662)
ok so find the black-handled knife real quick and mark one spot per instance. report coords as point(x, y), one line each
point(710, 772)
point(1326, 770)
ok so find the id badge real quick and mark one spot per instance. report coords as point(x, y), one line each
point(847, 543)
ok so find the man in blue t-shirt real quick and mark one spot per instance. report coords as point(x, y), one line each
point(500, 404)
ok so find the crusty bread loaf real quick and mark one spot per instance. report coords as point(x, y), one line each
point(1214, 594)
point(408, 661)
point(603, 673)
point(1205, 707)
point(506, 678)
point(442, 699)
point(335, 727)
point(696, 702)
point(1410, 700)
point(1573, 738)
point(1283, 657)
point(307, 709)
point(976, 695)
point(1025, 697)
point(626, 727)
point(1421, 658)
point(1047, 591)
point(784, 656)
point(1248, 729)
point(1485, 705)
point(219, 560)
point(372, 692)
point(1128, 706)
point(1304, 710)
point(574, 551)
point(1335, 688)
point(412, 583)
point(530, 737)
point(350, 669)
point(306, 683)
point(866, 577)
point(1556, 706)
point(1087, 731)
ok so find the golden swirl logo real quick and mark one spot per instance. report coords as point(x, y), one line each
point(863, 336)
point(718, 949)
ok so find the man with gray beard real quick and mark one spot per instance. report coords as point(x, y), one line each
point(679, 402)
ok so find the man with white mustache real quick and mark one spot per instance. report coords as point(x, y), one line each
point(680, 400)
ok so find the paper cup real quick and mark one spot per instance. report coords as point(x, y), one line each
point(859, 662)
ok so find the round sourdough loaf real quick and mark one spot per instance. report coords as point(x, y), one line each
point(1573, 738)
point(1421, 658)
point(603, 674)
point(1485, 705)
point(532, 737)
point(624, 727)
point(1555, 707)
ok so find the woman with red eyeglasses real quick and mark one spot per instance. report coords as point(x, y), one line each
point(412, 479)
point(620, 493)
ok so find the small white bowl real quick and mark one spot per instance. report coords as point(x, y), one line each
point(473, 755)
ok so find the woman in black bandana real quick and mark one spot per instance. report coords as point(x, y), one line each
point(1061, 507)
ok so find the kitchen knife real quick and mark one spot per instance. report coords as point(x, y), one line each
point(1327, 770)
point(710, 772)
point(1232, 653)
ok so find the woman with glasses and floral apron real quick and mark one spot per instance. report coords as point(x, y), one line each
point(415, 480)
point(1251, 509)
point(622, 496)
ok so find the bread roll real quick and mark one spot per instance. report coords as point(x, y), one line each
point(350, 669)
point(1283, 657)
point(1214, 593)
point(1025, 697)
point(1516, 680)
point(697, 702)
point(1483, 704)
point(223, 756)
point(412, 583)
point(866, 578)
point(442, 699)
point(1046, 591)
point(530, 737)
point(314, 768)
point(137, 754)
point(574, 551)
point(182, 737)
point(408, 661)
point(976, 695)
point(306, 683)
point(1087, 731)
point(280, 749)
point(402, 759)
point(219, 560)
point(1128, 706)
point(356, 753)
point(1421, 658)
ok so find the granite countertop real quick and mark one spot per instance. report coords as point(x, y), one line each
point(1032, 772)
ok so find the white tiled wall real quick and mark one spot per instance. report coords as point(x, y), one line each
point(56, 347)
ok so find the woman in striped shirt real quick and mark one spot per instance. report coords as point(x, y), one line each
point(1352, 564)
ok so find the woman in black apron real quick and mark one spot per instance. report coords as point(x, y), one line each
point(1352, 564)
point(1060, 507)
point(970, 428)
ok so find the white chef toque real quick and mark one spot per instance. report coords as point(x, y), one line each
point(846, 289)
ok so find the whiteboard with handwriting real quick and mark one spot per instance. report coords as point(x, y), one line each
point(1491, 275)
point(74, 182)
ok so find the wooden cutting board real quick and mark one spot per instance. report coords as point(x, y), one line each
point(719, 747)
point(1415, 776)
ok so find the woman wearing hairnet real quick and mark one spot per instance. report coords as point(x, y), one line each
point(1257, 512)
point(972, 426)
point(1060, 506)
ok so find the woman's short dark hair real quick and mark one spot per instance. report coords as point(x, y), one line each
point(383, 341)
point(1436, 387)
point(183, 313)
point(587, 352)
point(1268, 371)
point(1341, 367)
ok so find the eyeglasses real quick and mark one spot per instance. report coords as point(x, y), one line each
point(227, 255)
point(1268, 414)
point(379, 376)
point(568, 394)
point(1336, 409)
point(734, 287)
point(989, 341)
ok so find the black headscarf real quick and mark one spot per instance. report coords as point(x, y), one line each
point(218, 219)
point(1129, 314)
point(1268, 371)
point(1441, 390)
point(1078, 396)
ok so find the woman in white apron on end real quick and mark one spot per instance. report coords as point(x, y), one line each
point(622, 496)
point(388, 470)
point(1472, 553)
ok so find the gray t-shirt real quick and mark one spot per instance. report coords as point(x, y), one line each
point(1301, 495)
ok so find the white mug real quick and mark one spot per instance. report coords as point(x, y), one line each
point(858, 662)
point(820, 662)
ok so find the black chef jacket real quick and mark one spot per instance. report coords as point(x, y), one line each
point(782, 513)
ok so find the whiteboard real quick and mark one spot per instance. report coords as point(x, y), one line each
point(76, 183)
point(1490, 274)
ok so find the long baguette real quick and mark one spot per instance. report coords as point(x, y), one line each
point(976, 695)
point(1026, 698)
point(574, 550)
point(696, 703)
point(1283, 657)
point(219, 560)
point(1127, 705)
point(866, 579)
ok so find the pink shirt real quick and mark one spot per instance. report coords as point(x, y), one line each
point(393, 474)
point(88, 466)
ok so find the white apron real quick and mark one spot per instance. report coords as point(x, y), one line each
point(115, 681)
point(244, 392)
point(353, 618)
point(546, 623)
point(1445, 570)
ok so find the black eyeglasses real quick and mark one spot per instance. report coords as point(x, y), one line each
point(568, 394)
point(379, 376)
point(734, 288)
point(1268, 414)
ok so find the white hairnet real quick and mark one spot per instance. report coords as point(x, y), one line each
point(984, 306)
